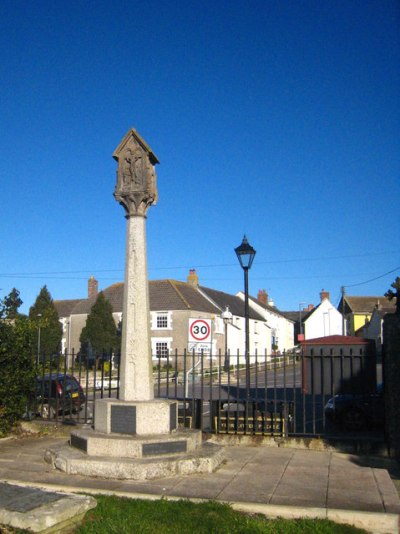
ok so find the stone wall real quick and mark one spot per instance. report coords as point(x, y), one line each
point(391, 349)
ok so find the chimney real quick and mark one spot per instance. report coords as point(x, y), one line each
point(193, 279)
point(309, 307)
point(93, 287)
point(324, 295)
point(262, 296)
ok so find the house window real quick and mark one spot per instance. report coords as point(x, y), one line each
point(162, 349)
point(162, 320)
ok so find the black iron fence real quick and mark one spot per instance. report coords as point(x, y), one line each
point(282, 395)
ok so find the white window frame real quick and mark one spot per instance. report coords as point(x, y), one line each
point(154, 341)
point(158, 315)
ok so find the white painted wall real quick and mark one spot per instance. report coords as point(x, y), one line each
point(324, 321)
point(276, 324)
point(259, 338)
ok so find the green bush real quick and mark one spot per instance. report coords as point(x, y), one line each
point(17, 369)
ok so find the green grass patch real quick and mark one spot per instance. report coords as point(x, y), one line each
point(115, 515)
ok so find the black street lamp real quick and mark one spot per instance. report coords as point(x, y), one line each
point(246, 253)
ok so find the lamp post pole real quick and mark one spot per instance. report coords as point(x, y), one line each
point(227, 318)
point(247, 337)
point(246, 253)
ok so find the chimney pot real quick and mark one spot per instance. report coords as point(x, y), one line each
point(324, 295)
point(193, 279)
point(262, 296)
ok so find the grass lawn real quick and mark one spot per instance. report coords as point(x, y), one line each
point(114, 515)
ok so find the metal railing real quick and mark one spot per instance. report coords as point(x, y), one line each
point(286, 396)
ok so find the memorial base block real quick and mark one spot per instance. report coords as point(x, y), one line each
point(137, 440)
point(158, 416)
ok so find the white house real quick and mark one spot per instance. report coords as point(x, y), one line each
point(280, 327)
point(323, 320)
point(235, 326)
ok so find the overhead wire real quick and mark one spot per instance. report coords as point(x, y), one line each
point(198, 266)
point(373, 279)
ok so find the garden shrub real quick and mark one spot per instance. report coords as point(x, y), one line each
point(17, 369)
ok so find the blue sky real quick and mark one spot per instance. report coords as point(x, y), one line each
point(275, 119)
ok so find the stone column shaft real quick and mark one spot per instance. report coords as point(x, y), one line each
point(136, 360)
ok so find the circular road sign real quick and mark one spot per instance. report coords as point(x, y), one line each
point(200, 330)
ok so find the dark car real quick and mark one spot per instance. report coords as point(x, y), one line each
point(356, 412)
point(56, 394)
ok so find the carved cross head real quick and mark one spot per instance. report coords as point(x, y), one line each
point(136, 187)
point(395, 294)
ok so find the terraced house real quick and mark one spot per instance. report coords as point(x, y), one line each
point(174, 307)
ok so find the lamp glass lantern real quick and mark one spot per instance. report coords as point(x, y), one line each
point(245, 254)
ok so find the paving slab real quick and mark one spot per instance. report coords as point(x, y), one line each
point(279, 482)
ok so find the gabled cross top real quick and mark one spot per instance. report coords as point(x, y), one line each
point(395, 294)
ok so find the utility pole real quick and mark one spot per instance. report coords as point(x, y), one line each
point(343, 313)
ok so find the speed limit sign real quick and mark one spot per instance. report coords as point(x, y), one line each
point(200, 330)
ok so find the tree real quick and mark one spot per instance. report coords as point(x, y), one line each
point(11, 303)
point(16, 365)
point(395, 294)
point(44, 314)
point(100, 329)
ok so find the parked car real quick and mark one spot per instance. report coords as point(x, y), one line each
point(56, 394)
point(89, 359)
point(356, 412)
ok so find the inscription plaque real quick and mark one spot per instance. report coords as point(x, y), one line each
point(79, 443)
point(173, 416)
point(166, 447)
point(123, 419)
point(20, 499)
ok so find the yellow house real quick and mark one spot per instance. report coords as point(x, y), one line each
point(358, 311)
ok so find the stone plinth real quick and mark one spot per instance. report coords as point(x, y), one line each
point(128, 458)
point(136, 418)
point(97, 444)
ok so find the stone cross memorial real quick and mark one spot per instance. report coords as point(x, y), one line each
point(136, 436)
point(136, 191)
point(137, 412)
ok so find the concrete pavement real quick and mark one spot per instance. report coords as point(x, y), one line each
point(276, 481)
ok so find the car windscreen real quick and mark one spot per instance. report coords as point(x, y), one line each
point(68, 384)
